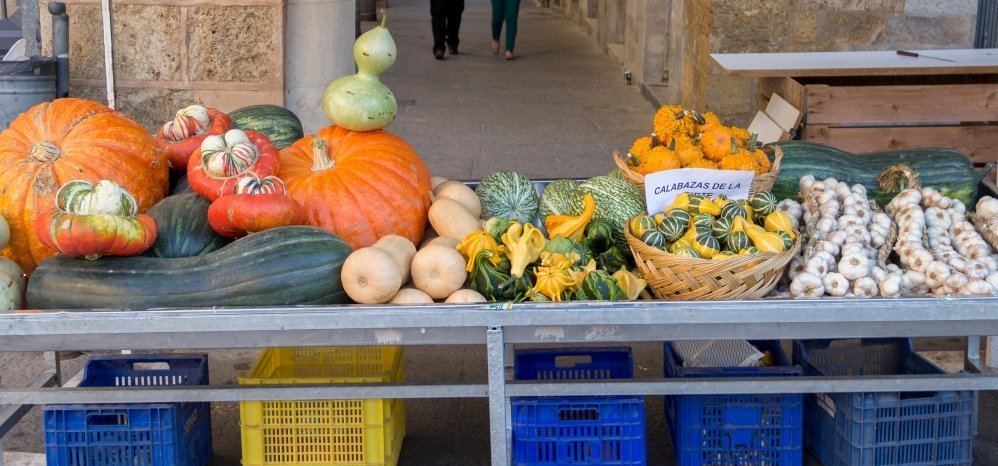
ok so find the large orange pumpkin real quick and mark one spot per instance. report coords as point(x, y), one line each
point(359, 185)
point(64, 140)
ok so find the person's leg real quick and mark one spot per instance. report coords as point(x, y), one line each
point(498, 12)
point(438, 11)
point(456, 7)
point(511, 13)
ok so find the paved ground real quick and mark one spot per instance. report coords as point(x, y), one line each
point(558, 110)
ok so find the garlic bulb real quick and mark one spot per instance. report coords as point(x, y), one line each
point(816, 266)
point(865, 287)
point(854, 266)
point(987, 207)
point(835, 284)
point(936, 274)
point(979, 287)
point(806, 285)
point(890, 287)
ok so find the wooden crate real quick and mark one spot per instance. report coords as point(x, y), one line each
point(884, 113)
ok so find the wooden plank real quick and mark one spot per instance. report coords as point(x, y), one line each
point(866, 63)
point(956, 103)
point(767, 129)
point(978, 142)
point(790, 90)
point(786, 116)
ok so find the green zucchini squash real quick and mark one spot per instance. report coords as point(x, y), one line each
point(946, 170)
point(281, 266)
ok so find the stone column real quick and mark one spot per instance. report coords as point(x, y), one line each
point(318, 48)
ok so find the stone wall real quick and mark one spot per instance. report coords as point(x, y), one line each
point(173, 53)
point(693, 29)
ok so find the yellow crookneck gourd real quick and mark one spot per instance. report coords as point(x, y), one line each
point(472, 244)
point(572, 227)
point(552, 281)
point(681, 202)
point(703, 205)
point(779, 220)
point(631, 284)
point(524, 244)
point(764, 240)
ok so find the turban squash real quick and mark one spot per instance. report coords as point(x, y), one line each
point(359, 185)
point(64, 140)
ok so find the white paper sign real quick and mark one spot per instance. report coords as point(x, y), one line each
point(661, 188)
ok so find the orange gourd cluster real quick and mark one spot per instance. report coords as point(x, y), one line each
point(684, 138)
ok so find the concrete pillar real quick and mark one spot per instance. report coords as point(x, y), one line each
point(318, 48)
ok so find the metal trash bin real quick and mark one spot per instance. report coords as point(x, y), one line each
point(24, 84)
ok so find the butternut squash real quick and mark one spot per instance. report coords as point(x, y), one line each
point(457, 191)
point(438, 271)
point(371, 276)
point(411, 296)
point(449, 218)
point(437, 181)
point(465, 296)
point(442, 241)
point(401, 249)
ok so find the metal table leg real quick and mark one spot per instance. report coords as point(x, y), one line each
point(498, 414)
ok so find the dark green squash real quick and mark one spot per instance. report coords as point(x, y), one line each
point(183, 229)
point(946, 170)
point(279, 124)
point(281, 266)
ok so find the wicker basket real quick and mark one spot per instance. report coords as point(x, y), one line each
point(676, 278)
point(760, 183)
point(982, 226)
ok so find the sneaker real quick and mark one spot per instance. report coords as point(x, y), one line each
point(438, 53)
point(452, 50)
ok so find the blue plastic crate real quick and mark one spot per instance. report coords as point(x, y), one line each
point(581, 430)
point(139, 434)
point(743, 430)
point(893, 428)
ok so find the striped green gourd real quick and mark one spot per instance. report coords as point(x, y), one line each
point(653, 238)
point(721, 228)
point(277, 123)
point(948, 171)
point(764, 203)
point(732, 210)
point(561, 197)
point(687, 251)
point(508, 194)
point(738, 240)
point(672, 227)
point(616, 202)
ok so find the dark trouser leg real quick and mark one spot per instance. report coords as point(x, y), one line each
point(438, 11)
point(498, 13)
point(455, 9)
point(512, 12)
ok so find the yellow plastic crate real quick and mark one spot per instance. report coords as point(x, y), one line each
point(323, 432)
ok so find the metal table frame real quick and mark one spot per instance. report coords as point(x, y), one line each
point(499, 327)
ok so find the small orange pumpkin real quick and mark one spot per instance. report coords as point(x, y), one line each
point(716, 143)
point(741, 160)
point(657, 159)
point(358, 185)
point(69, 139)
point(703, 163)
point(687, 151)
